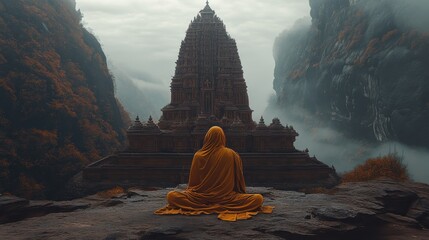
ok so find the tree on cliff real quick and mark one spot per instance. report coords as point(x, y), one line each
point(58, 111)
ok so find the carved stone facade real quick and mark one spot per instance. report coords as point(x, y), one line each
point(208, 80)
point(209, 89)
point(188, 137)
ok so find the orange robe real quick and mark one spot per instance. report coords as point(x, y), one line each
point(216, 184)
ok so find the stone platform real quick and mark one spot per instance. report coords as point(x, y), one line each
point(290, 171)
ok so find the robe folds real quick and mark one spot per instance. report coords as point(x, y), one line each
point(216, 184)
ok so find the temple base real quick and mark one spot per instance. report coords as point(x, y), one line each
point(288, 171)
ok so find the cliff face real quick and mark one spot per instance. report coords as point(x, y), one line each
point(360, 66)
point(58, 111)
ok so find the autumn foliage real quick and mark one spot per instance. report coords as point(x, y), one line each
point(389, 166)
point(58, 111)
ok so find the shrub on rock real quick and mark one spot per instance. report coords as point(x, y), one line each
point(389, 166)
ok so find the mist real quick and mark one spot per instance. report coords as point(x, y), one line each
point(140, 93)
point(335, 149)
point(410, 14)
point(328, 144)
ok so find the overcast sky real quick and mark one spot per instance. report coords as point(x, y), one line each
point(142, 37)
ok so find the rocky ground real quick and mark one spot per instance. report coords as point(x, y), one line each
point(372, 210)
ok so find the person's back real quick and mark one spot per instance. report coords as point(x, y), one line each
point(216, 184)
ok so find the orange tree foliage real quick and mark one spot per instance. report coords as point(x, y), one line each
point(389, 166)
point(371, 48)
point(58, 111)
point(390, 35)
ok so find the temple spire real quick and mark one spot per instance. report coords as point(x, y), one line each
point(207, 11)
point(199, 87)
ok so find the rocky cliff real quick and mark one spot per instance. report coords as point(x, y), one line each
point(58, 111)
point(376, 210)
point(360, 66)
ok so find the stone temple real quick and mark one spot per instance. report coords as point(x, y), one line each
point(208, 89)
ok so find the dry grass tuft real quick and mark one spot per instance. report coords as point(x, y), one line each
point(113, 192)
point(389, 166)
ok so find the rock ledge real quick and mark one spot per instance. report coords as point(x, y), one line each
point(380, 209)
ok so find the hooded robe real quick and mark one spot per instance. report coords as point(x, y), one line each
point(216, 184)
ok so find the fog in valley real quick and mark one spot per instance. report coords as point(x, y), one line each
point(330, 145)
point(335, 149)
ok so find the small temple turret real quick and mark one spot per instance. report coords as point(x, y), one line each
point(261, 125)
point(136, 126)
point(150, 126)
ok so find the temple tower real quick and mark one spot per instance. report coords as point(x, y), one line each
point(208, 80)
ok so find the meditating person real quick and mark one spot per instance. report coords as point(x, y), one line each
point(216, 184)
